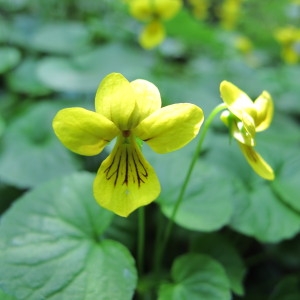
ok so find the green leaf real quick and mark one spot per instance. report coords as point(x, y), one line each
point(61, 38)
point(196, 277)
point(10, 57)
point(4, 296)
point(256, 207)
point(31, 153)
point(288, 89)
point(4, 30)
point(191, 31)
point(206, 205)
point(13, 5)
point(220, 248)
point(286, 184)
point(52, 246)
point(260, 214)
point(83, 73)
point(2, 125)
point(24, 79)
point(287, 289)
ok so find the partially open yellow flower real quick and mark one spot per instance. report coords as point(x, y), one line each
point(127, 110)
point(153, 12)
point(244, 118)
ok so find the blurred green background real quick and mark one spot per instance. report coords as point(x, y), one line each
point(54, 53)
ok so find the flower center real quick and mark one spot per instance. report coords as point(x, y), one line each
point(126, 164)
point(126, 133)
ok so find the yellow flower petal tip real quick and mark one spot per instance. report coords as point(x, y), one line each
point(127, 111)
point(82, 131)
point(258, 164)
point(245, 118)
point(152, 35)
point(171, 127)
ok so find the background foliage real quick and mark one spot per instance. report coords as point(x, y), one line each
point(237, 236)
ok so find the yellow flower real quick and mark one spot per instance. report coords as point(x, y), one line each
point(229, 13)
point(289, 38)
point(153, 12)
point(243, 44)
point(199, 8)
point(152, 35)
point(127, 110)
point(244, 118)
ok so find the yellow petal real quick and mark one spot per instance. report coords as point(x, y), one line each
point(115, 99)
point(83, 131)
point(264, 109)
point(258, 164)
point(141, 9)
point(236, 100)
point(242, 131)
point(167, 9)
point(170, 127)
point(125, 180)
point(287, 35)
point(152, 35)
point(148, 98)
point(144, 10)
point(289, 55)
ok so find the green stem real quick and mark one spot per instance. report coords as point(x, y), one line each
point(178, 202)
point(141, 240)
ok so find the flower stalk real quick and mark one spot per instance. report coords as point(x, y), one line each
point(167, 232)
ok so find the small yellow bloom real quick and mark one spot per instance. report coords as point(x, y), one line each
point(244, 118)
point(229, 13)
point(153, 12)
point(289, 38)
point(127, 110)
point(152, 35)
point(243, 44)
point(199, 8)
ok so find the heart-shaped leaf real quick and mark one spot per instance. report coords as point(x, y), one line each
point(52, 246)
point(196, 277)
